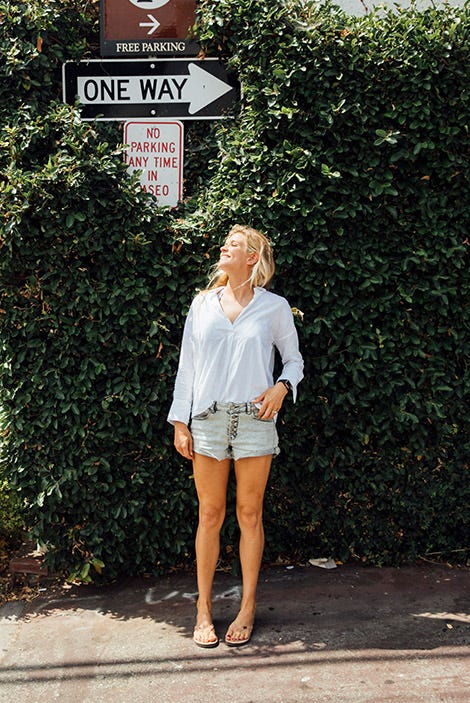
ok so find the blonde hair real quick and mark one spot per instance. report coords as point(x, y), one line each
point(257, 243)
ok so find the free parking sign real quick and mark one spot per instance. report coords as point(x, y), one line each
point(147, 28)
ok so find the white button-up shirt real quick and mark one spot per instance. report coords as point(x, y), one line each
point(233, 362)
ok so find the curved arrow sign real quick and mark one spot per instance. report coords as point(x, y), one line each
point(149, 4)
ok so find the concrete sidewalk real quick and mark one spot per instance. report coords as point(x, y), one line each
point(346, 635)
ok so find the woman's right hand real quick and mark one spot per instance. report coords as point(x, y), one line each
point(183, 440)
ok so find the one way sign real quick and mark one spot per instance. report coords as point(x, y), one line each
point(150, 88)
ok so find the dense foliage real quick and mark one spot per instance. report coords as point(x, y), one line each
point(351, 151)
point(11, 522)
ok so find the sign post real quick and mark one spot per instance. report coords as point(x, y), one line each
point(156, 149)
point(131, 28)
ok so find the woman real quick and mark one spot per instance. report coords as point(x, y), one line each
point(224, 408)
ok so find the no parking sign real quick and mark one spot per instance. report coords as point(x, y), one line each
point(156, 149)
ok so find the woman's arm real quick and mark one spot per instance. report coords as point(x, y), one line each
point(287, 343)
point(180, 410)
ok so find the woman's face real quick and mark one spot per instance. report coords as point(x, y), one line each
point(234, 254)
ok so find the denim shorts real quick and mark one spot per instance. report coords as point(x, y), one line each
point(233, 431)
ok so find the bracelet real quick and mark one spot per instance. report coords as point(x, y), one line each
point(286, 383)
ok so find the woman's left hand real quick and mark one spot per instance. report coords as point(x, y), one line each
point(271, 401)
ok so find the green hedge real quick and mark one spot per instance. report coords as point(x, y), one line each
point(11, 522)
point(359, 163)
point(351, 151)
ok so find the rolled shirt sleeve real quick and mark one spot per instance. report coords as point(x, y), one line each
point(287, 343)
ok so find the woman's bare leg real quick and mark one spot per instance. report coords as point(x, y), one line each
point(211, 478)
point(252, 476)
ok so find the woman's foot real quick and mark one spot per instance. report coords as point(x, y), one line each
point(204, 632)
point(240, 631)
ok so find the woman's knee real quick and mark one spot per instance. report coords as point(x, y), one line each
point(249, 517)
point(211, 516)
